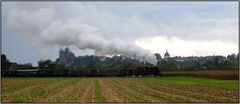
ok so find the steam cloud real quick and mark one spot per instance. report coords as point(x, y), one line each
point(43, 32)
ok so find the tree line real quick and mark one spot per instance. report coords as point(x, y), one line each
point(230, 63)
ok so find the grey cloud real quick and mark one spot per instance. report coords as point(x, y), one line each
point(87, 26)
point(41, 29)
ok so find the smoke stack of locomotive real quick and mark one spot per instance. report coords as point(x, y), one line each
point(159, 58)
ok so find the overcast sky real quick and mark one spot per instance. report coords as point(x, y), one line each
point(34, 31)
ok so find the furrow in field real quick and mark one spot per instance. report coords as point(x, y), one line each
point(120, 91)
point(218, 96)
point(156, 95)
point(169, 89)
point(9, 97)
point(55, 92)
point(188, 92)
point(209, 96)
point(33, 94)
point(20, 85)
point(203, 89)
point(6, 97)
point(110, 90)
point(180, 92)
point(51, 90)
point(221, 92)
point(134, 95)
point(7, 83)
point(63, 95)
point(168, 94)
point(174, 95)
point(142, 97)
point(89, 95)
point(109, 93)
point(79, 92)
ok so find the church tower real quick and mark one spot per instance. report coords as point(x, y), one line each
point(166, 55)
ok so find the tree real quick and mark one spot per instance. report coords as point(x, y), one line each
point(3, 57)
point(168, 65)
point(45, 64)
point(5, 64)
point(232, 57)
point(48, 64)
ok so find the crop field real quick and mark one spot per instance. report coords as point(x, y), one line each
point(118, 89)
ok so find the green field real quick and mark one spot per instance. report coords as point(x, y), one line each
point(119, 89)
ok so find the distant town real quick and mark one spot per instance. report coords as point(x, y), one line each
point(67, 60)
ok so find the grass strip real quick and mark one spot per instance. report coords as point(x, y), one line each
point(99, 96)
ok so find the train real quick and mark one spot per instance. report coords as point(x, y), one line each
point(136, 71)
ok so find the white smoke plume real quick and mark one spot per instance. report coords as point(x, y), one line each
point(42, 31)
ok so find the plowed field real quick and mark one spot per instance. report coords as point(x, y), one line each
point(167, 89)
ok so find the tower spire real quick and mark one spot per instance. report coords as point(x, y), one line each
point(166, 55)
